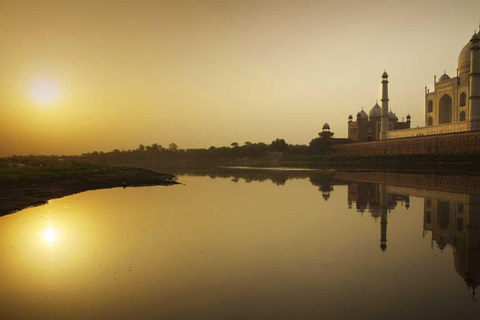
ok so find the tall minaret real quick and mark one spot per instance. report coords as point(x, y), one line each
point(474, 98)
point(384, 120)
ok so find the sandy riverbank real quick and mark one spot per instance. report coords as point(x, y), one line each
point(31, 185)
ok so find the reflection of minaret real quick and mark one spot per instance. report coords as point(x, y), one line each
point(383, 218)
point(472, 243)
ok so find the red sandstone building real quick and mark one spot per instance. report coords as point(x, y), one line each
point(368, 127)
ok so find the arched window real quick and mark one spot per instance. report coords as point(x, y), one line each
point(430, 121)
point(462, 116)
point(445, 110)
point(430, 106)
point(463, 99)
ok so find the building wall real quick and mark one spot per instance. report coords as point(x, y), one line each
point(453, 87)
point(423, 131)
point(444, 143)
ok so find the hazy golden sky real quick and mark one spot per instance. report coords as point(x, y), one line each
point(202, 73)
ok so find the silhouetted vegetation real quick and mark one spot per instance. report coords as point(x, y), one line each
point(275, 150)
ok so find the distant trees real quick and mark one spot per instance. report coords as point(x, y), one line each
point(320, 146)
point(155, 152)
point(173, 147)
point(279, 145)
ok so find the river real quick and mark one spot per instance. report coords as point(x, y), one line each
point(243, 243)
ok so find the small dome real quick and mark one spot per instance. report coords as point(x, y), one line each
point(443, 77)
point(391, 115)
point(350, 117)
point(385, 74)
point(376, 111)
point(408, 117)
point(326, 126)
point(362, 114)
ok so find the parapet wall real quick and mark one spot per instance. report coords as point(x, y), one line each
point(434, 130)
point(441, 143)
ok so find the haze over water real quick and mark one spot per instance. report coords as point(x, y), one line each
point(245, 244)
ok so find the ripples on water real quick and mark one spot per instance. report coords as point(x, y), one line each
point(249, 244)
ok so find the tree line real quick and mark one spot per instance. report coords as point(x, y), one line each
point(277, 148)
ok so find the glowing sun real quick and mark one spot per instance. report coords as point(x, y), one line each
point(44, 91)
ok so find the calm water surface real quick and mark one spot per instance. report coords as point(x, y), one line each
point(246, 245)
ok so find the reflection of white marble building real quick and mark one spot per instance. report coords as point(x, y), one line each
point(455, 221)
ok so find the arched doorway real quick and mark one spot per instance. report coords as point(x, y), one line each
point(445, 110)
point(430, 121)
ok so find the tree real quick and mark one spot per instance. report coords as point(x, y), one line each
point(173, 147)
point(320, 146)
point(156, 147)
point(234, 144)
point(141, 148)
point(279, 145)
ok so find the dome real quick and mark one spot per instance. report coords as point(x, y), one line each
point(464, 59)
point(326, 126)
point(392, 115)
point(445, 77)
point(464, 56)
point(385, 74)
point(376, 111)
point(362, 114)
point(350, 117)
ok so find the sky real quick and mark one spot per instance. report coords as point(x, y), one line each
point(83, 76)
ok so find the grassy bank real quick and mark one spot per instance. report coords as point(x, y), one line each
point(25, 184)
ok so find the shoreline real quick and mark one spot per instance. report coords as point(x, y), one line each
point(24, 187)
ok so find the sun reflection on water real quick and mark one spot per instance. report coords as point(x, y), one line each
point(50, 235)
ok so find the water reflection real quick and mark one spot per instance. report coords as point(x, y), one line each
point(451, 204)
point(244, 244)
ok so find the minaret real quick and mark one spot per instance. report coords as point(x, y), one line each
point(474, 83)
point(384, 120)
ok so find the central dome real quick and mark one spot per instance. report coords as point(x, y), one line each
point(376, 111)
point(464, 59)
point(464, 56)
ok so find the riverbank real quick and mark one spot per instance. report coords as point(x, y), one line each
point(24, 185)
point(422, 163)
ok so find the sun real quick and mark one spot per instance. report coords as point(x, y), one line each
point(44, 91)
